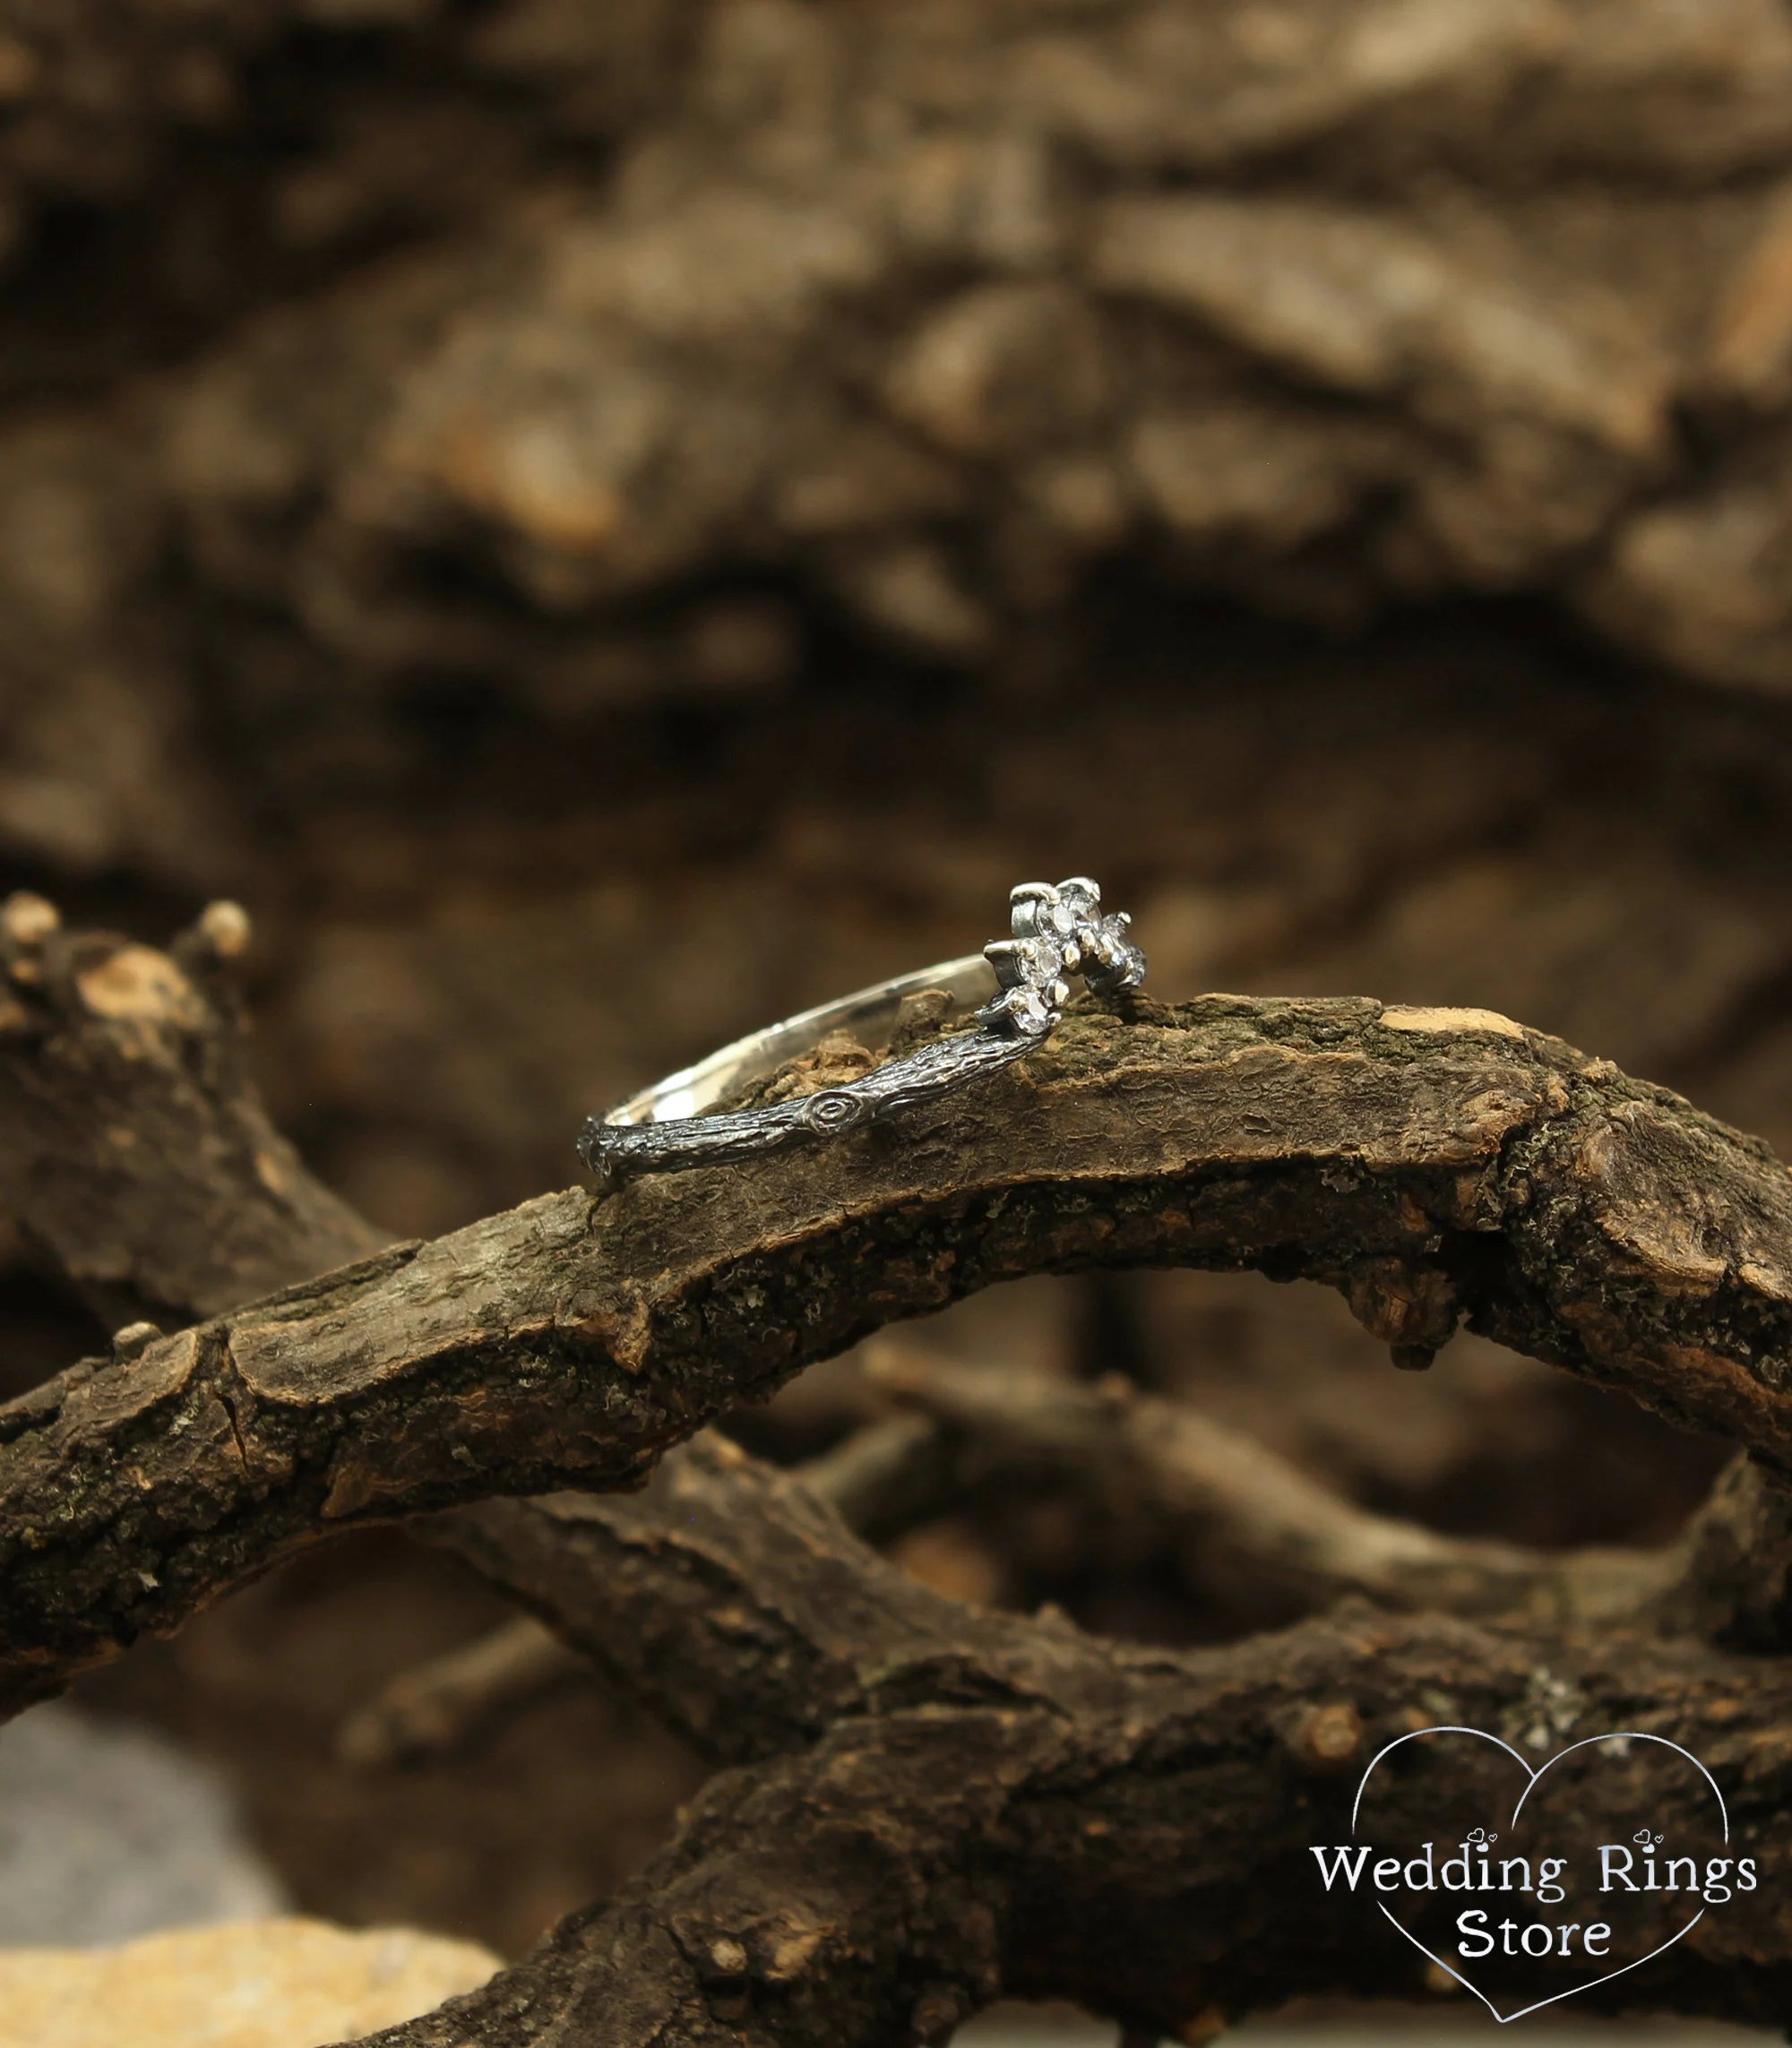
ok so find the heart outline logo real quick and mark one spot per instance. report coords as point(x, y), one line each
point(1532, 1780)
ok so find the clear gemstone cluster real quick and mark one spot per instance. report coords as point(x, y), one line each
point(1057, 932)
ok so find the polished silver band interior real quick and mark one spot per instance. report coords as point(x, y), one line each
point(1021, 983)
point(692, 1089)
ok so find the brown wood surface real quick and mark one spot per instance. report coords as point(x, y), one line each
point(922, 1803)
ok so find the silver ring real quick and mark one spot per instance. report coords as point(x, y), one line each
point(1022, 983)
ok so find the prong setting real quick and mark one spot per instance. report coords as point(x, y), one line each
point(1059, 931)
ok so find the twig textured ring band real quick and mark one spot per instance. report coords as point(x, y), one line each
point(1058, 932)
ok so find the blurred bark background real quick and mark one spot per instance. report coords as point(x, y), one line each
point(606, 525)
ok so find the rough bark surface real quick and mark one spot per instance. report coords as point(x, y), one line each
point(1246, 1523)
point(877, 1476)
point(588, 360)
point(402, 402)
point(134, 1147)
point(922, 1804)
point(926, 1803)
point(1445, 1165)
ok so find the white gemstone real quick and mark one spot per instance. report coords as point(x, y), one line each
point(1028, 1010)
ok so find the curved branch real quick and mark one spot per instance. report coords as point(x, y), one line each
point(1241, 1518)
point(1433, 1163)
point(1245, 1519)
point(434, 1707)
point(886, 1468)
point(967, 1787)
point(932, 1805)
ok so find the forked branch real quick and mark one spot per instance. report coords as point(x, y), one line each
point(922, 1804)
point(1435, 1165)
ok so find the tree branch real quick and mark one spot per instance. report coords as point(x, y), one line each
point(928, 1805)
point(1432, 1164)
point(882, 1471)
point(435, 1707)
point(1246, 1525)
point(133, 1145)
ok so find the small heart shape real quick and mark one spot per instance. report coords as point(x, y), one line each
point(1531, 1780)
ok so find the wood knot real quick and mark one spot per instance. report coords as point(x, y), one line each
point(214, 946)
point(722, 1974)
point(27, 919)
point(137, 985)
point(728, 1957)
point(1412, 1309)
point(1328, 1736)
point(225, 928)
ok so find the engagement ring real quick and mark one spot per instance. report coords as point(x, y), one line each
point(1057, 932)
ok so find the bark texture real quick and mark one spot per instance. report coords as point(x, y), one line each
point(593, 361)
point(402, 403)
point(1441, 1165)
point(882, 1471)
point(134, 1146)
point(926, 1803)
point(1245, 1524)
point(920, 1805)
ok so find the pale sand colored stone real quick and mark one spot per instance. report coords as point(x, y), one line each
point(247, 1983)
point(1405, 1017)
